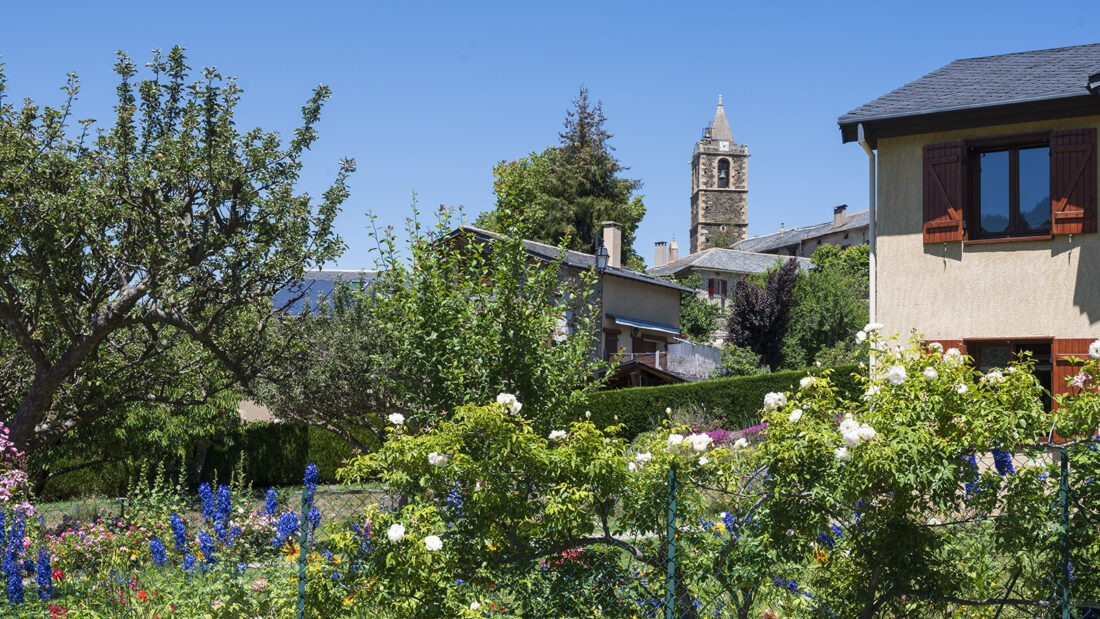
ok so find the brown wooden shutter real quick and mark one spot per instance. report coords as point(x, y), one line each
point(1060, 351)
point(943, 192)
point(1073, 181)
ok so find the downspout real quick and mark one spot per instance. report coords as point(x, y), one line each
point(872, 203)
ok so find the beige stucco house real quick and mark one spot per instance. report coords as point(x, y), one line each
point(984, 197)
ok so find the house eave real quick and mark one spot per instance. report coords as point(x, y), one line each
point(876, 128)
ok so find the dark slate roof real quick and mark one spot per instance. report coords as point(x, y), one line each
point(786, 238)
point(572, 258)
point(724, 259)
point(316, 285)
point(991, 81)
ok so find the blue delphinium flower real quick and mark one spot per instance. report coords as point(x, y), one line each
point(826, 539)
point(223, 504)
point(310, 483)
point(1002, 460)
point(189, 563)
point(221, 531)
point(970, 475)
point(43, 575)
point(271, 502)
point(285, 528)
point(234, 533)
point(179, 532)
point(13, 564)
point(313, 518)
point(159, 552)
point(206, 495)
point(206, 546)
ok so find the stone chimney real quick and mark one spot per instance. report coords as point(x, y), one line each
point(613, 241)
point(673, 250)
point(839, 215)
point(660, 253)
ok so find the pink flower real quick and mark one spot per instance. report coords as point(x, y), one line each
point(1080, 380)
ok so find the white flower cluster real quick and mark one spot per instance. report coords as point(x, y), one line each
point(774, 401)
point(807, 382)
point(896, 375)
point(510, 402)
point(640, 460)
point(795, 415)
point(741, 443)
point(396, 419)
point(700, 441)
point(930, 373)
point(674, 440)
point(993, 378)
point(433, 543)
point(437, 459)
point(869, 332)
point(557, 435)
point(397, 531)
point(1094, 350)
point(852, 433)
point(953, 357)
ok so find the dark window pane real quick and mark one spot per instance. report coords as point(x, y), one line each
point(990, 357)
point(994, 192)
point(1035, 189)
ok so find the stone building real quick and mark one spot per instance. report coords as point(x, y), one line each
point(719, 187)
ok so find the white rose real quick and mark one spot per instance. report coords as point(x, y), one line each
point(475, 605)
point(433, 543)
point(930, 373)
point(395, 532)
point(1094, 350)
point(861, 337)
point(961, 389)
point(994, 378)
point(631, 467)
point(935, 347)
point(437, 459)
point(703, 461)
point(396, 419)
point(643, 457)
point(866, 432)
point(848, 424)
point(557, 435)
point(807, 381)
point(842, 454)
point(699, 442)
point(740, 443)
point(896, 375)
point(952, 357)
point(871, 392)
point(668, 410)
point(796, 414)
point(773, 401)
point(675, 440)
point(510, 402)
point(851, 439)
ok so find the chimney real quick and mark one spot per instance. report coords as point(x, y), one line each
point(673, 250)
point(839, 216)
point(613, 241)
point(660, 253)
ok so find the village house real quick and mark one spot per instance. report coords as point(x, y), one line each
point(984, 198)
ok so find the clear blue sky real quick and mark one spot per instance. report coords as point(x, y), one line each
point(429, 95)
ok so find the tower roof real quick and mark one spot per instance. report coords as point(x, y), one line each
point(720, 127)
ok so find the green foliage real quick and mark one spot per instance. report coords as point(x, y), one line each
point(473, 317)
point(698, 316)
point(735, 402)
point(831, 307)
point(139, 261)
point(740, 361)
point(566, 191)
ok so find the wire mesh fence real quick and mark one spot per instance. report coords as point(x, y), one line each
point(1018, 536)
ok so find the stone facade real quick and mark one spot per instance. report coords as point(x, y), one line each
point(719, 187)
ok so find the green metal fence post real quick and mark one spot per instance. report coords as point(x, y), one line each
point(670, 595)
point(303, 542)
point(1063, 501)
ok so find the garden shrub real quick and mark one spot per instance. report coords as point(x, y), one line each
point(732, 402)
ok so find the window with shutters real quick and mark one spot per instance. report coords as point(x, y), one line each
point(716, 287)
point(1032, 185)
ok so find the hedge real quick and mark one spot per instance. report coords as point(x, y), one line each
point(734, 403)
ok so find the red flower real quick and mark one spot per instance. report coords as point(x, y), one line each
point(58, 575)
point(58, 611)
point(142, 595)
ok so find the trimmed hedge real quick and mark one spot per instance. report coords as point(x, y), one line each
point(734, 402)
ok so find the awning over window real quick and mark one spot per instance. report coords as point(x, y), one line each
point(644, 324)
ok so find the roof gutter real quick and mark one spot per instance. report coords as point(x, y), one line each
point(872, 217)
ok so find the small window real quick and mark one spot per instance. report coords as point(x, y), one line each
point(716, 287)
point(723, 173)
point(1011, 191)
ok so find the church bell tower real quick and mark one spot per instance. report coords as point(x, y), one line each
point(719, 187)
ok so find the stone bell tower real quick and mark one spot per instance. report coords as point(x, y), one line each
point(719, 187)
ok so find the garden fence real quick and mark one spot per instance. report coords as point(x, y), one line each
point(680, 565)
